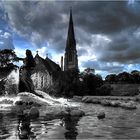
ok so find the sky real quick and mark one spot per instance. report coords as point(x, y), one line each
point(107, 32)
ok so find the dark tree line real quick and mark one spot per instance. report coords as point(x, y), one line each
point(124, 77)
point(72, 83)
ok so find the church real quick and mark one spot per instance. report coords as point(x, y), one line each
point(47, 71)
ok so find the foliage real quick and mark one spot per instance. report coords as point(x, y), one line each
point(104, 90)
point(88, 71)
point(7, 57)
point(2, 87)
point(124, 77)
point(89, 82)
point(72, 83)
point(112, 78)
point(92, 82)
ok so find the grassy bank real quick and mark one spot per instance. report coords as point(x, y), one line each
point(125, 89)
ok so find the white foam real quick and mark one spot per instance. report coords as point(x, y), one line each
point(7, 101)
point(56, 101)
point(14, 76)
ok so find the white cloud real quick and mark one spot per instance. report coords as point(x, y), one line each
point(93, 50)
point(6, 41)
point(42, 51)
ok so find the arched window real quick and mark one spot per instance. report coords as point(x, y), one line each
point(70, 57)
point(42, 81)
point(36, 85)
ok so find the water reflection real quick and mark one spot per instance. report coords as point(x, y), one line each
point(70, 124)
point(3, 129)
point(24, 128)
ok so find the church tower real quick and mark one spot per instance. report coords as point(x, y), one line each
point(70, 60)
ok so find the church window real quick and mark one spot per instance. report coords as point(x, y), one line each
point(36, 80)
point(70, 57)
point(42, 81)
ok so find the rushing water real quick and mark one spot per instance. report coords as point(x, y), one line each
point(118, 124)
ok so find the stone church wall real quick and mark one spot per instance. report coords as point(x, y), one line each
point(41, 80)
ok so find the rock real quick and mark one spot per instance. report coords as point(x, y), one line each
point(24, 134)
point(34, 112)
point(77, 98)
point(86, 99)
point(115, 103)
point(64, 113)
point(55, 114)
point(77, 113)
point(106, 103)
point(129, 105)
point(96, 101)
point(101, 115)
point(19, 103)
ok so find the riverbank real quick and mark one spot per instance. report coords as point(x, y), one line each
point(126, 102)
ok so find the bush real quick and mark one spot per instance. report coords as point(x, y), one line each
point(104, 90)
point(92, 82)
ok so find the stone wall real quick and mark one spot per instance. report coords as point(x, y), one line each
point(41, 80)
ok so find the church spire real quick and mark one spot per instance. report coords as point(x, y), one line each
point(71, 36)
point(71, 60)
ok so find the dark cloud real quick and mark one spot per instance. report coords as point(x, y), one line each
point(82, 52)
point(92, 17)
point(124, 48)
point(110, 30)
point(102, 66)
point(38, 21)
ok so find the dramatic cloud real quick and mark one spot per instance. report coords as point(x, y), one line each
point(107, 32)
point(6, 41)
point(102, 66)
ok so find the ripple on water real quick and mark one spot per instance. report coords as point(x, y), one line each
point(119, 123)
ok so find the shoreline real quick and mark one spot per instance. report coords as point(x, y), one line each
point(126, 102)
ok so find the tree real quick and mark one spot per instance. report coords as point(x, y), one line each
point(112, 78)
point(91, 81)
point(2, 86)
point(135, 72)
point(135, 76)
point(124, 77)
point(88, 71)
point(104, 90)
point(7, 57)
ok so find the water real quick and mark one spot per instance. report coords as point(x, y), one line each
point(118, 124)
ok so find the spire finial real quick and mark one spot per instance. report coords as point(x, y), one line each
point(47, 55)
point(37, 52)
point(71, 11)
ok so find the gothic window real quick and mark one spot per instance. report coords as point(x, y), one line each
point(36, 80)
point(70, 57)
point(42, 81)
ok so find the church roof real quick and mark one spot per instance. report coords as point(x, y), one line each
point(49, 64)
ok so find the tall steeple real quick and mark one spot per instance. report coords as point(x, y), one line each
point(71, 60)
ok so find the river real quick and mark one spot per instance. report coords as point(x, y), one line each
point(118, 124)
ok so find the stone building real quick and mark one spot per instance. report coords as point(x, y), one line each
point(70, 60)
point(47, 72)
point(44, 73)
